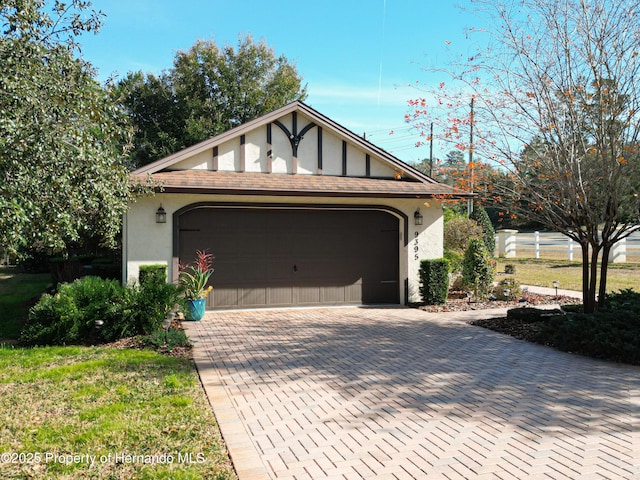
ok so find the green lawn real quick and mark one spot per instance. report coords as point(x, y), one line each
point(105, 413)
point(99, 412)
point(16, 290)
point(542, 273)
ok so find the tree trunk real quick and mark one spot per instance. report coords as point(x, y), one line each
point(588, 300)
point(593, 280)
point(604, 269)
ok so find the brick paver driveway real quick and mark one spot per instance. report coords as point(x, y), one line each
point(398, 393)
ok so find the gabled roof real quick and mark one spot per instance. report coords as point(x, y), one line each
point(412, 183)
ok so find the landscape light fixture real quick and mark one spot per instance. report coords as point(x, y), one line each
point(161, 215)
point(417, 217)
point(555, 285)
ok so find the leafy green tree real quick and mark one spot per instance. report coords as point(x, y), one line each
point(209, 90)
point(62, 171)
point(157, 113)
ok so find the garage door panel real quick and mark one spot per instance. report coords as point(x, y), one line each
point(252, 297)
point(307, 295)
point(280, 296)
point(269, 257)
point(333, 295)
point(224, 298)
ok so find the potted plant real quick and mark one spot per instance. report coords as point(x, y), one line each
point(193, 281)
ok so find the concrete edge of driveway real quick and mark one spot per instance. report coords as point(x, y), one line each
point(244, 456)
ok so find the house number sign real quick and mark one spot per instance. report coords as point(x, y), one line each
point(416, 246)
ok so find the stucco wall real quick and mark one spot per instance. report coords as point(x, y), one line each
point(147, 242)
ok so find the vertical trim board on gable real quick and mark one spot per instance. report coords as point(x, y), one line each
point(269, 149)
point(242, 160)
point(319, 150)
point(344, 158)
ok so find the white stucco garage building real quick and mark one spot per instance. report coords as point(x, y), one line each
point(296, 209)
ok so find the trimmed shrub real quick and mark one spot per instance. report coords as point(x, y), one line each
point(510, 269)
point(434, 281)
point(479, 215)
point(478, 269)
point(152, 273)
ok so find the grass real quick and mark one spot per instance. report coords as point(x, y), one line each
point(122, 413)
point(16, 290)
point(542, 272)
point(99, 412)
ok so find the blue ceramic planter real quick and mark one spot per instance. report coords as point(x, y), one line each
point(195, 309)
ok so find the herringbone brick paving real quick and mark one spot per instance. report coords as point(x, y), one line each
point(396, 393)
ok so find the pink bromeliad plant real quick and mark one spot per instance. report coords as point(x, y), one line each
point(193, 278)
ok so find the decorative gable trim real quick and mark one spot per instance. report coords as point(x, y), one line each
point(295, 136)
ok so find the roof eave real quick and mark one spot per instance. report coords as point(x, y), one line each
point(197, 189)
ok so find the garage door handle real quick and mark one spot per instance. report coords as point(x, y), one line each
point(295, 268)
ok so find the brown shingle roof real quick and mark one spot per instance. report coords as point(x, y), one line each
point(245, 183)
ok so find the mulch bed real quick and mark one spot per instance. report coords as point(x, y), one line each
point(458, 302)
point(137, 342)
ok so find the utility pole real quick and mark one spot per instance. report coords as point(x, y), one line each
point(431, 151)
point(471, 174)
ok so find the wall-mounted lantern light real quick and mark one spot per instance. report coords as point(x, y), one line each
point(161, 215)
point(417, 217)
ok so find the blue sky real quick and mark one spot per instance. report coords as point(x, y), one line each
point(357, 57)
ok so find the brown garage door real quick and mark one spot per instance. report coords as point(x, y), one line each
point(271, 257)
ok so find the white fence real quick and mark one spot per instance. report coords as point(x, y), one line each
point(513, 244)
